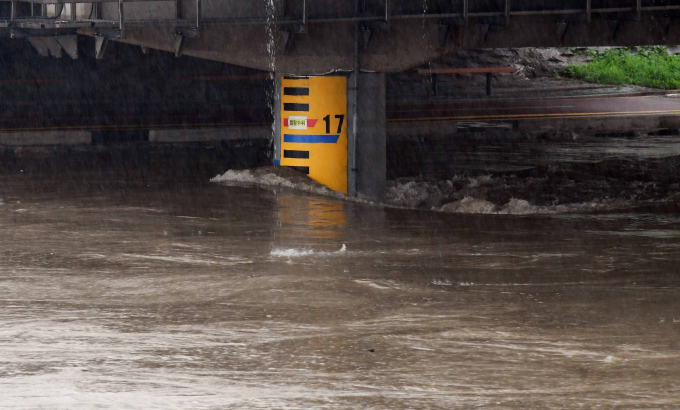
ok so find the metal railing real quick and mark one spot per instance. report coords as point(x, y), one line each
point(507, 12)
point(43, 21)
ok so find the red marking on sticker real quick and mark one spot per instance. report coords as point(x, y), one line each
point(310, 123)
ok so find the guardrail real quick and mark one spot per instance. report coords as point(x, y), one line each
point(41, 19)
point(34, 22)
point(464, 13)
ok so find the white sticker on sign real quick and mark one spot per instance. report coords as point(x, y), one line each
point(297, 123)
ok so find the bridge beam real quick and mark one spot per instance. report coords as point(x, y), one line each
point(325, 48)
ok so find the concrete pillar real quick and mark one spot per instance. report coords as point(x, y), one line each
point(367, 168)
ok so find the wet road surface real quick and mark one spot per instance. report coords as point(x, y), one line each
point(148, 295)
point(107, 115)
point(490, 109)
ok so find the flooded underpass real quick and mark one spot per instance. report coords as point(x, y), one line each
point(142, 291)
point(333, 204)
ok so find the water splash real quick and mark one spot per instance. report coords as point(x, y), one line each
point(276, 177)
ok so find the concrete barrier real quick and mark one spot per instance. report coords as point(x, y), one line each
point(29, 138)
point(593, 124)
point(211, 134)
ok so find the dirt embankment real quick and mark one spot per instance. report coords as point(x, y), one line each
point(537, 75)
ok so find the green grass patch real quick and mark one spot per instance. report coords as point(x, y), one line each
point(650, 67)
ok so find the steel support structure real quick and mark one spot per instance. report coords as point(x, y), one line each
point(506, 12)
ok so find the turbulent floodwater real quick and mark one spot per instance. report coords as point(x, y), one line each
point(505, 173)
point(148, 295)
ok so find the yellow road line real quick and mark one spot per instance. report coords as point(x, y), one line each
point(538, 99)
point(536, 116)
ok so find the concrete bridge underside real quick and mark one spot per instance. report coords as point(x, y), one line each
point(321, 36)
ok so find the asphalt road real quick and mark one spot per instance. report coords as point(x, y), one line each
point(149, 116)
point(532, 108)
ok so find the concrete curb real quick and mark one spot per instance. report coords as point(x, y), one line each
point(592, 124)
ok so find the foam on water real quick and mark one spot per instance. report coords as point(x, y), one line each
point(275, 177)
point(372, 284)
point(225, 261)
point(304, 252)
point(291, 253)
point(611, 360)
point(459, 194)
point(469, 205)
point(482, 180)
point(439, 282)
point(468, 196)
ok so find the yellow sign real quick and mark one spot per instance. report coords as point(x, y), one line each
point(314, 128)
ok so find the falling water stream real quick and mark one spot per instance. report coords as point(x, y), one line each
point(271, 30)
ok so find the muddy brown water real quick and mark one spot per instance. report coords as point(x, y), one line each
point(147, 294)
